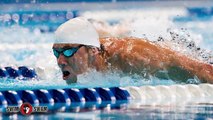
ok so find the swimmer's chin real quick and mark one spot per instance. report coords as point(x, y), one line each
point(70, 80)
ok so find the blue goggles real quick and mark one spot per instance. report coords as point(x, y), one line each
point(68, 52)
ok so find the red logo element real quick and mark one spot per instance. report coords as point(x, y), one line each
point(26, 109)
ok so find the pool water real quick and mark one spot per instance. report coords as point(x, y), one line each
point(27, 35)
point(145, 112)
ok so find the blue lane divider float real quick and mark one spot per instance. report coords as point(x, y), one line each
point(12, 72)
point(61, 99)
point(44, 97)
point(27, 72)
point(120, 93)
point(91, 95)
point(3, 101)
point(60, 96)
point(75, 95)
point(3, 73)
point(21, 72)
point(65, 97)
point(107, 97)
point(28, 96)
point(12, 98)
point(106, 94)
point(93, 99)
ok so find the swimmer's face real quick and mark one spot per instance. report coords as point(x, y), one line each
point(71, 64)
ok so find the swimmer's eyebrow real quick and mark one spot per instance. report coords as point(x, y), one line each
point(64, 47)
point(67, 46)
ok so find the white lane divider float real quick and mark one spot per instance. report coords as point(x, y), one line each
point(173, 94)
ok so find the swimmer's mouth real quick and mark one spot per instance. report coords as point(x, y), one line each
point(66, 74)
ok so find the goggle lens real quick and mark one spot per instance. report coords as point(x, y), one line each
point(67, 52)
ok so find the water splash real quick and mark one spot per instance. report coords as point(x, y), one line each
point(184, 42)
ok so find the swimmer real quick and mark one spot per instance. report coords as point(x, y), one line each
point(79, 49)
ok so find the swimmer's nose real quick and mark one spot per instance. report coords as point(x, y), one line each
point(62, 60)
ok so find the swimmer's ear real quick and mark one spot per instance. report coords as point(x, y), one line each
point(95, 50)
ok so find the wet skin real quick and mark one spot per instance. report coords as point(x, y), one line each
point(72, 66)
point(82, 61)
point(132, 55)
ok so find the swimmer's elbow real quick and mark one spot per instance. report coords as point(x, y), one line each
point(206, 73)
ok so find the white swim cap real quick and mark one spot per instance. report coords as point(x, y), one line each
point(77, 31)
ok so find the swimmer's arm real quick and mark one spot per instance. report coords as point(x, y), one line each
point(135, 54)
point(138, 54)
point(163, 58)
point(202, 70)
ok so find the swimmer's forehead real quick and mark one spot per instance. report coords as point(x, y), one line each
point(64, 45)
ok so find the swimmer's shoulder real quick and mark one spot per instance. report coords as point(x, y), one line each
point(112, 41)
point(120, 45)
point(117, 42)
point(113, 45)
